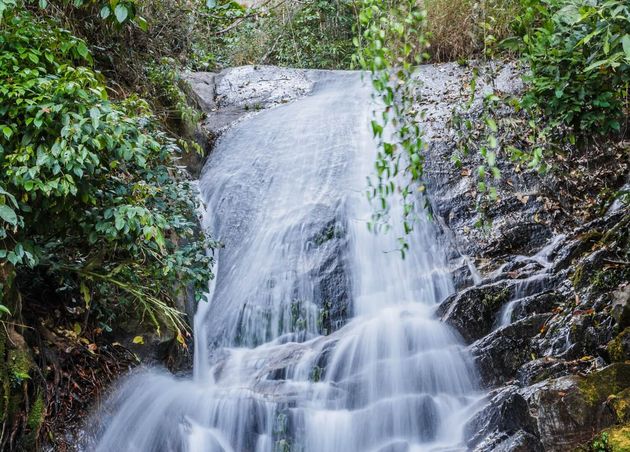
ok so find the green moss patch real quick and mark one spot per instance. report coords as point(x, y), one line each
point(616, 348)
point(619, 439)
point(495, 300)
point(599, 386)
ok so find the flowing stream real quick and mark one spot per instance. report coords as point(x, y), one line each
point(317, 336)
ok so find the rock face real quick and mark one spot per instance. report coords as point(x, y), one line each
point(542, 305)
point(553, 350)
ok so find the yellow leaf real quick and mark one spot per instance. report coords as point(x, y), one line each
point(87, 297)
point(138, 340)
point(76, 328)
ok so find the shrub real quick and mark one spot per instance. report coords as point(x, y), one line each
point(89, 189)
point(578, 52)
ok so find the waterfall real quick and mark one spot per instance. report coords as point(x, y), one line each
point(317, 336)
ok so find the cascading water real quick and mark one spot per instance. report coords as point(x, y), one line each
point(285, 194)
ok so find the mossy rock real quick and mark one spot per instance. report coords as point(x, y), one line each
point(20, 364)
point(619, 347)
point(495, 300)
point(597, 387)
point(620, 404)
point(619, 439)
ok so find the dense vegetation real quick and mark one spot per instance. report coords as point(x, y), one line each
point(98, 221)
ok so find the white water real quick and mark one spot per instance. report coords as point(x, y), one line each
point(265, 377)
point(532, 284)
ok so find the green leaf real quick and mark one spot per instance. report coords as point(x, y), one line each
point(105, 12)
point(83, 50)
point(7, 132)
point(8, 215)
point(142, 23)
point(119, 223)
point(211, 3)
point(625, 43)
point(121, 13)
point(4, 309)
point(596, 65)
point(570, 14)
point(95, 115)
point(492, 124)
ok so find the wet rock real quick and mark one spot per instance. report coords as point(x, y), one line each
point(569, 409)
point(551, 367)
point(536, 304)
point(519, 442)
point(576, 333)
point(462, 275)
point(542, 369)
point(504, 424)
point(260, 86)
point(473, 311)
point(500, 354)
point(329, 274)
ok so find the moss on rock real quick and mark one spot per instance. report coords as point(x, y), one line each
point(619, 439)
point(599, 386)
point(620, 404)
point(496, 300)
point(619, 347)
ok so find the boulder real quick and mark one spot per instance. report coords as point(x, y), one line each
point(569, 410)
point(503, 424)
point(473, 311)
point(500, 354)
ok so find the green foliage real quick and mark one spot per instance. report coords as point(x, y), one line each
point(390, 45)
point(165, 86)
point(90, 191)
point(576, 86)
point(600, 443)
point(316, 35)
point(579, 56)
point(311, 34)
